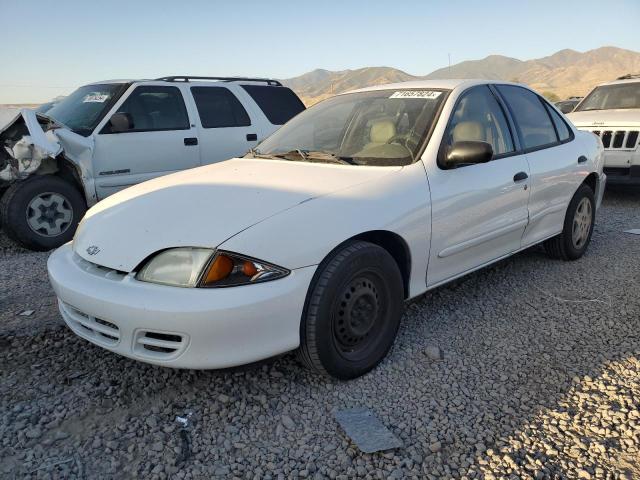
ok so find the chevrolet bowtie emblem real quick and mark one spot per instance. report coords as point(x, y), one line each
point(93, 249)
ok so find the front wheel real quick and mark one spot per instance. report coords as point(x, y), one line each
point(578, 227)
point(352, 312)
point(42, 212)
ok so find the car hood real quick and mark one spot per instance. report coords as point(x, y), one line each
point(606, 118)
point(204, 206)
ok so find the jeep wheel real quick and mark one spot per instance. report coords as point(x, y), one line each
point(41, 212)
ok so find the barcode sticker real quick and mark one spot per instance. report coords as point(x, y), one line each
point(415, 94)
point(96, 98)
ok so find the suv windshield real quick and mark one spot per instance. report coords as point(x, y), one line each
point(608, 97)
point(382, 127)
point(83, 109)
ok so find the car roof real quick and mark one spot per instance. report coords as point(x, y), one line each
point(621, 81)
point(447, 84)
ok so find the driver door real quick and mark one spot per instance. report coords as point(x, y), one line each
point(161, 140)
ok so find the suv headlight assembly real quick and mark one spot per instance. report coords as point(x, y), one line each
point(206, 268)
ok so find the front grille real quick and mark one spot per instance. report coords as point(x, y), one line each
point(99, 270)
point(97, 329)
point(158, 344)
point(618, 139)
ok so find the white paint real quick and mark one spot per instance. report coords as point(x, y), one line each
point(293, 214)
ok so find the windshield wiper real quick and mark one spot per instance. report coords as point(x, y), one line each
point(329, 157)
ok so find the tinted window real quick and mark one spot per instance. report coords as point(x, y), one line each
point(219, 108)
point(156, 108)
point(279, 104)
point(561, 127)
point(478, 117)
point(530, 115)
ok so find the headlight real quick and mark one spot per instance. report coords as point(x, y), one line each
point(181, 267)
point(200, 267)
point(230, 269)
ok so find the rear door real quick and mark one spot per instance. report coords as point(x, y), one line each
point(162, 140)
point(226, 129)
point(479, 212)
point(554, 161)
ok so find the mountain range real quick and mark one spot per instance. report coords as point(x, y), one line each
point(563, 74)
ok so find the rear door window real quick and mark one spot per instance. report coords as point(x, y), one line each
point(279, 104)
point(218, 107)
point(156, 108)
point(530, 115)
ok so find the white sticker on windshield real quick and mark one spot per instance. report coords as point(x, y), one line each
point(415, 94)
point(96, 98)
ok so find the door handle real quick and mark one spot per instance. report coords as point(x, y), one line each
point(252, 137)
point(191, 141)
point(518, 177)
point(582, 159)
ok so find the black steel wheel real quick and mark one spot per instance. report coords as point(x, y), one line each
point(353, 311)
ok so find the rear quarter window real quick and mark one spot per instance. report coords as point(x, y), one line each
point(279, 104)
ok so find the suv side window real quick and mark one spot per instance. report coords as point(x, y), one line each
point(479, 117)
point(219, 108)
point(530, 115)
point(156, 108)
point(561, 126)
point(279, 104)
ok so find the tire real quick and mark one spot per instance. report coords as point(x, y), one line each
point(352, 312)
point(580, 215)
point(44, 201)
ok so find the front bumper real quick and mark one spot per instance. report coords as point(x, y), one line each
point(178, 327)
point(623, 175)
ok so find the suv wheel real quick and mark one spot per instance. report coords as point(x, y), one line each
point(353, 311)
point(578, 227)
point(41, 212)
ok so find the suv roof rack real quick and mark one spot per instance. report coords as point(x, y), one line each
point(629, 76)
point(188, 78)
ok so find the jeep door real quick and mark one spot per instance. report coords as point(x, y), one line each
point(479, 211)
point(159, 139)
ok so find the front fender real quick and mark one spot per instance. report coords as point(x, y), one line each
point(306, 234)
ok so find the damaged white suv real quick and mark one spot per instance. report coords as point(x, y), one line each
point(612, 112)
point(110, 135)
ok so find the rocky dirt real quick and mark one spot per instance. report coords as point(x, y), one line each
point(540, 378)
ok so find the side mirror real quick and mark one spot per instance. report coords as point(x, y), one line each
point(121, 122)
point(468, 153)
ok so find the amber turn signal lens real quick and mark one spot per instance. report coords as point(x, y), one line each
point(219, 269)
point(249, 268)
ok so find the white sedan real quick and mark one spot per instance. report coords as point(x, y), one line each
point(314, 241)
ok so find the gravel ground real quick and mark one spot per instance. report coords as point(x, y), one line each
point(540, 379)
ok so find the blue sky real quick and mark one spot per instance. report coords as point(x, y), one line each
point(51, 47)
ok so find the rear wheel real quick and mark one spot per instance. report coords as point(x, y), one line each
point(578, 227)
point(353, 311)
point(41, 212)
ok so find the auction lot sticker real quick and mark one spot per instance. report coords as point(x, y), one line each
point(415, 94)
point(96, 98)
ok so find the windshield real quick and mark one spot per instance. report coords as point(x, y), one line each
point(383, 127)
point(83, 109)
point(610, 97)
